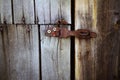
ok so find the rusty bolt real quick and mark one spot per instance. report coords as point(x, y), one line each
point(54, 29)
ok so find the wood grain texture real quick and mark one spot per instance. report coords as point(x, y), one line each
point(55, 57)
point(85, 18)
point(97, 59)
point(117, 33)
point(3, 65)
point(49, 11)
point(21, 52)
point(23, 9)
point(108, 46)
point(5, 11)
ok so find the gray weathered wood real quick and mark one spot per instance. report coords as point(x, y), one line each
point(97, 59)
point(55, 57)
point(5, 11)
point(23, 9)
point(21, 49)
point(49, 11)
point(55, 53)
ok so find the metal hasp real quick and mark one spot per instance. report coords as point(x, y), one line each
point(64, 32)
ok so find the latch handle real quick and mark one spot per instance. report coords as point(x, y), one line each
point(64, 33)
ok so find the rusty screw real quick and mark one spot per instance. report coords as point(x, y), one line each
point(49, 31)
point(54, 29)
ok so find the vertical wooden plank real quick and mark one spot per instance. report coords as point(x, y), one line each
point(23, 10)
point(117, 66)
point(49, 11)
point(85, 18)
point(65, 10)
point(22, 52)
point(97, 59)
point(108, 49)
point(55, 55)
point(42, 11)
point(5, 11)
point(49, 55)
point(3, 72)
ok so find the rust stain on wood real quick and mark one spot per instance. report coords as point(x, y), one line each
point(86, 17)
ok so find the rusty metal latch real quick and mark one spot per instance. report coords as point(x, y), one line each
point(64, 32)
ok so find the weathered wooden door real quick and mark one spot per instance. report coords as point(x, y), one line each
point(26, 53)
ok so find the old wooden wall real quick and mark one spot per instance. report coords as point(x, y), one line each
point(27, 54)
point(97, 59)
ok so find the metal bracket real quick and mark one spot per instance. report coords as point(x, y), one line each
point(64, 32)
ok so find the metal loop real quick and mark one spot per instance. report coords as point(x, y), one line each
point(84, 33)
